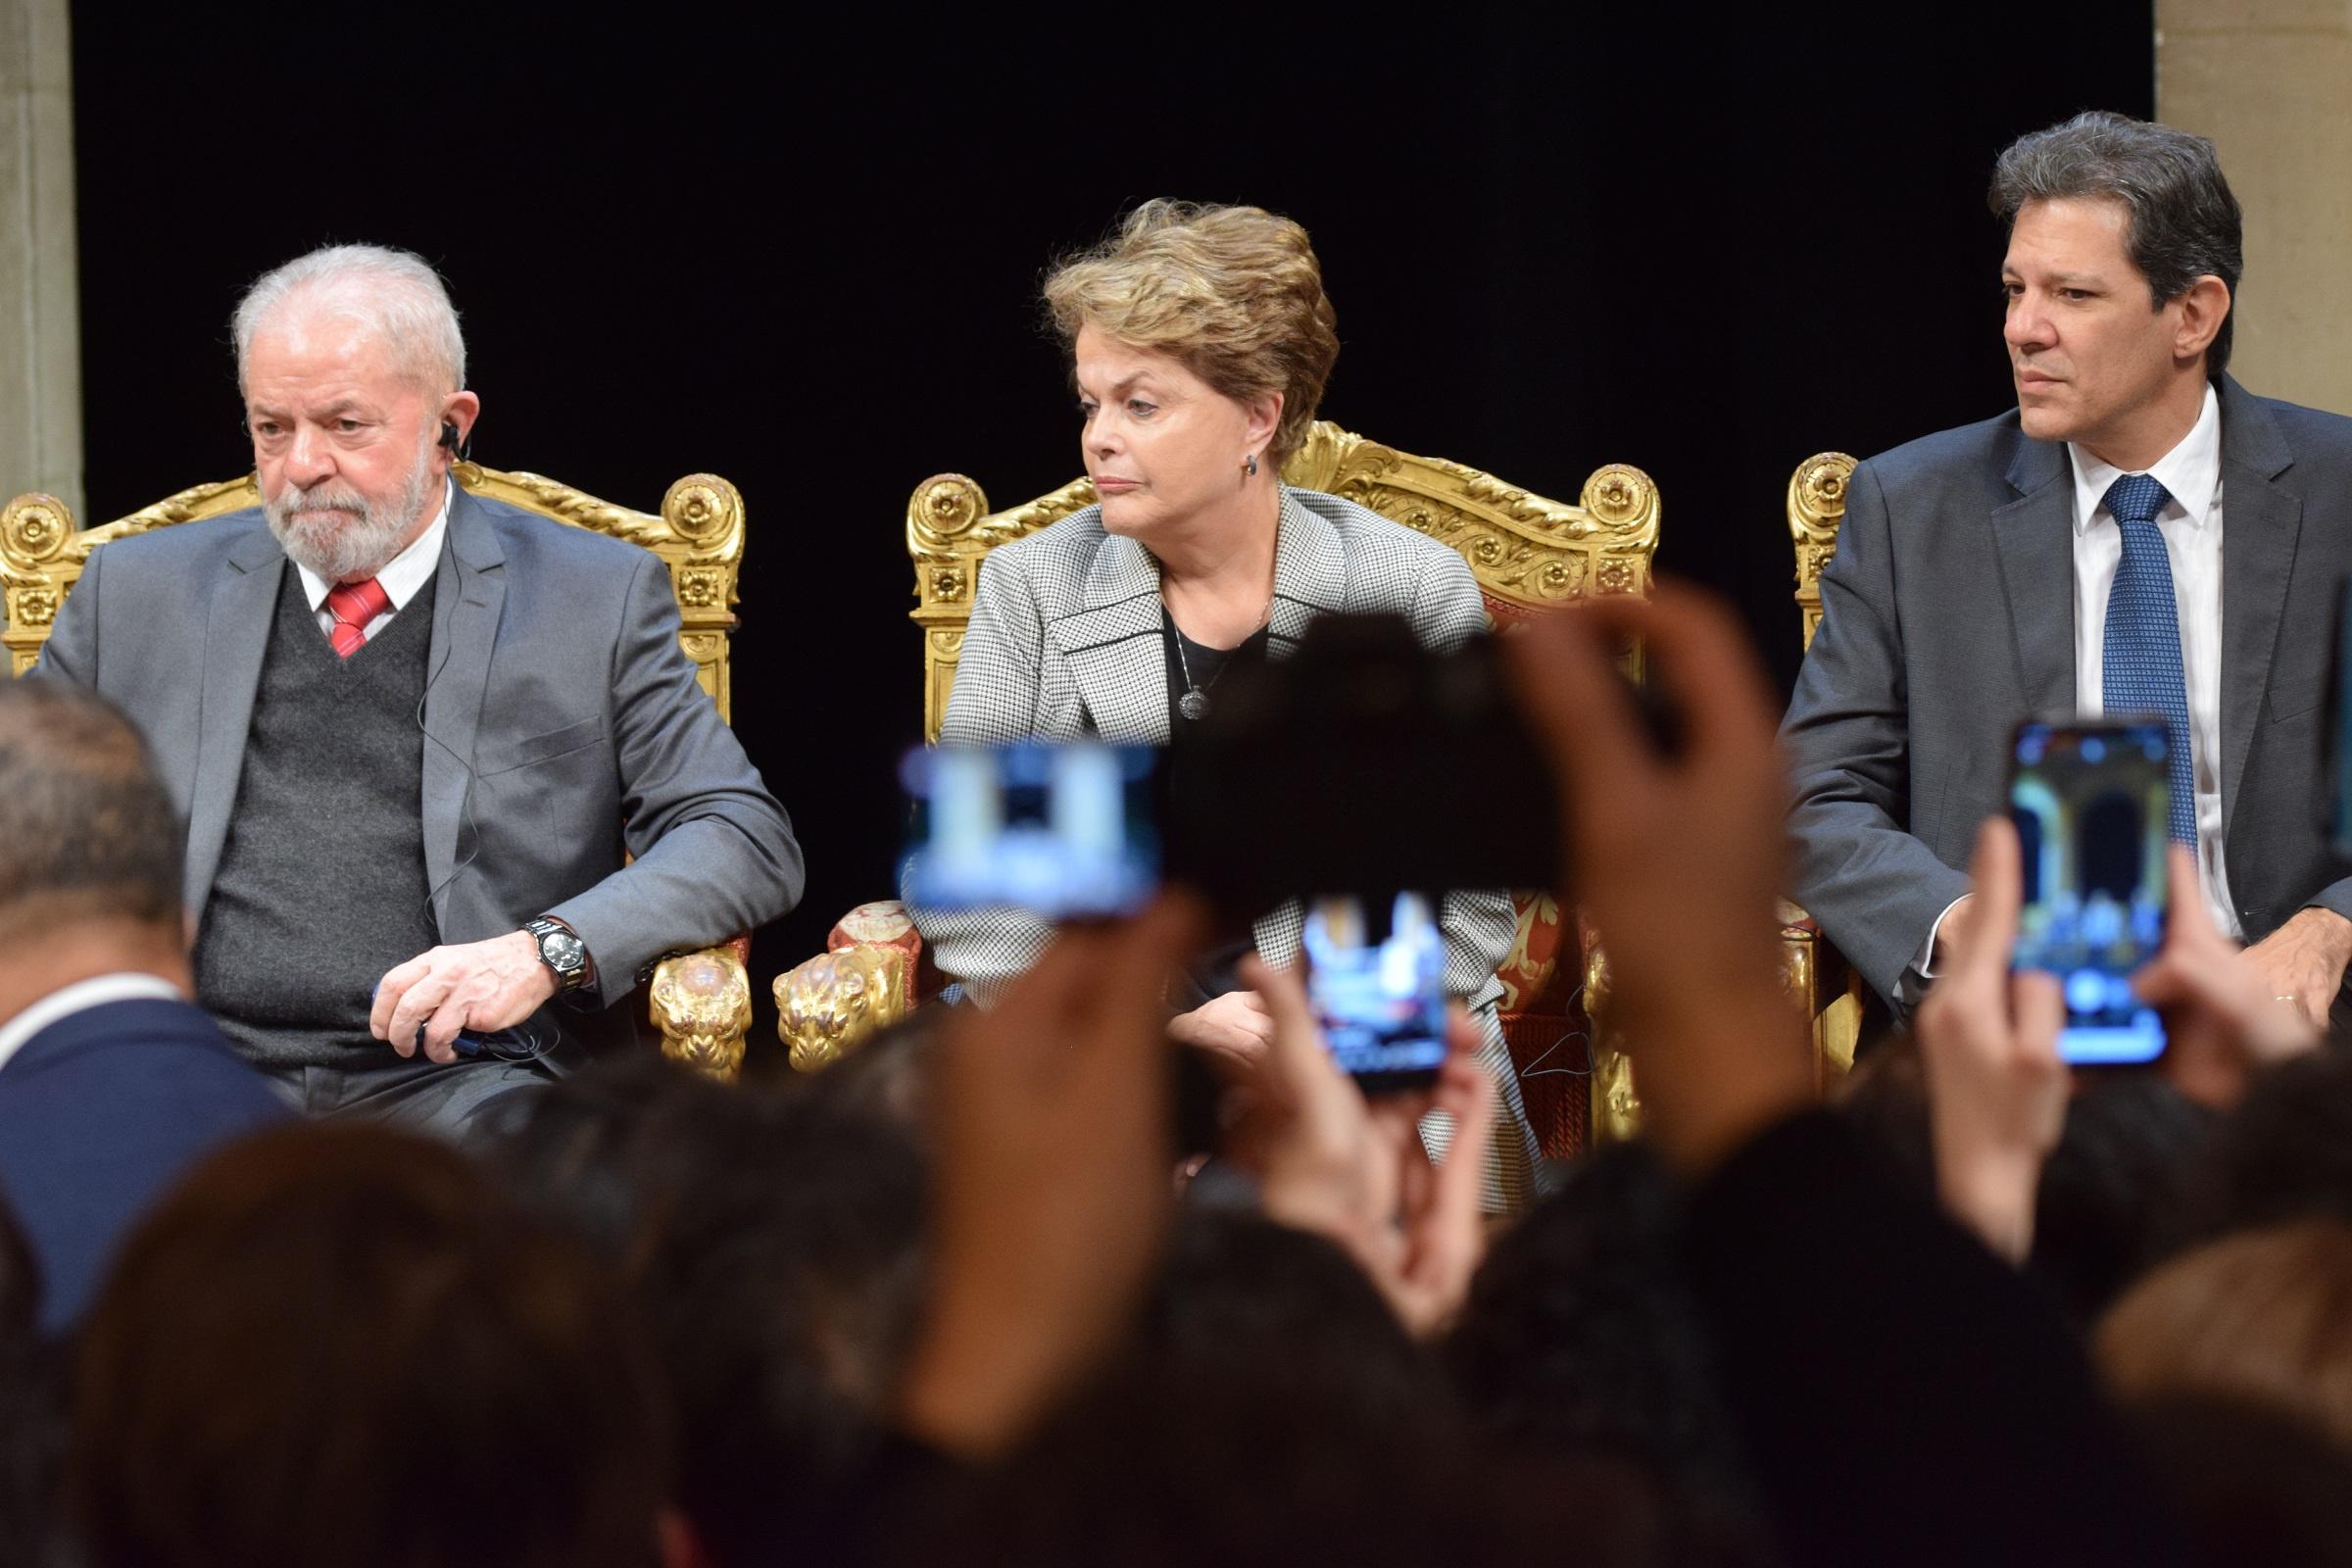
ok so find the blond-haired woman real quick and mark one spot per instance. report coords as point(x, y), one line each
point(1200, 340)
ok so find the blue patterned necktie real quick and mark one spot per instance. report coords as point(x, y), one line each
point(2142, 672)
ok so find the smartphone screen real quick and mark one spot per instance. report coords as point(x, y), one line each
point(2091, 803)
point(1062, 831)
point(1376, 971)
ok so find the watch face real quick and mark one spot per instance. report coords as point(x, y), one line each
point(561, 950)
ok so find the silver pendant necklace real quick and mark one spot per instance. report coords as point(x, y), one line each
point(1194, 704)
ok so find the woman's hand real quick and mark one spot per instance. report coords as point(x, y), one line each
point(1234, 1029)
point(1353, 1170)
point(1052, 1185)
point(1989, 1039)
point(1677, 858)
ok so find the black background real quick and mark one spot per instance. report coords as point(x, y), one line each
point(803, 253)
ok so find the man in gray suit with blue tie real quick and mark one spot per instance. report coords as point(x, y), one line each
point(443, 762)
point(2072, 557)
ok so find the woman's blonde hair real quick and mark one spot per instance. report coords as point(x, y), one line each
point(2264, 1315)
point(1234, 292)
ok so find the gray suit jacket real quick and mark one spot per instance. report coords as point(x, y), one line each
point(1948, 616)
point(1065, 642)
point(564, 732)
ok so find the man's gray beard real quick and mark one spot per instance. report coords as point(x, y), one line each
point(340, 550)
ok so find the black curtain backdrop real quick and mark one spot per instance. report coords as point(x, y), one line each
point(807, 259)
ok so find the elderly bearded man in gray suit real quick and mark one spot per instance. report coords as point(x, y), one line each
point(415, 733)
point(1976, 570)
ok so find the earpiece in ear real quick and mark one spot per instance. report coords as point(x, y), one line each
point(449, 436)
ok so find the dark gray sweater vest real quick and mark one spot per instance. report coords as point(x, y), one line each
point(322, 886)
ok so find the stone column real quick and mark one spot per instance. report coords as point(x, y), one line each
point(2271, 83)
point(40, 296)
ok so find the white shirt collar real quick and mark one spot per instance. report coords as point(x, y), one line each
point(405, 572)
point(2191, 474)
point(80, 996)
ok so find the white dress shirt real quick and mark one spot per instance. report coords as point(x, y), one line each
point(82, 996)
point(401, 577)
point(2191, 525)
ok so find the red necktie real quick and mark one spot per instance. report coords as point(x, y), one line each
point(354, 605)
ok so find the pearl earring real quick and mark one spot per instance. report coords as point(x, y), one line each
point(1250, 465)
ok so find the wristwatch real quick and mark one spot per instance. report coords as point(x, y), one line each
point(561, 950)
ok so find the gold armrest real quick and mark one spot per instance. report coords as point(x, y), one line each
point(702, 1002)
point(836, 1002)
point(1819, 984)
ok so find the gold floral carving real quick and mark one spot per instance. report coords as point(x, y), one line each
point(34, 607)
point(701, 587)
point(1816, 508)
point(702, 1002)
point(836, 1002)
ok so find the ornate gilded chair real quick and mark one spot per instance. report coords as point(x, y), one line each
point(701, 1001)
point(1527, 555)
point(1824, 984)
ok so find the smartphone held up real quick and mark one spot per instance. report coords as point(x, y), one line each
point(2091, 801)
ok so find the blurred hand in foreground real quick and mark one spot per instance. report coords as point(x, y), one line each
point(2222, 1021)
point(1988, 1041)
point(1677, 859)
point(1052, 1142)
point(1353, 1169)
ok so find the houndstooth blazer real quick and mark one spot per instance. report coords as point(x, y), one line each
point(1065, 643)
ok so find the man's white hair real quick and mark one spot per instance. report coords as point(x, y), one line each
point(393, 293)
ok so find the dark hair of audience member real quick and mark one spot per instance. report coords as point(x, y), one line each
point(32, 1415)
point(2284, 1152)
point(1579, 1338)
point(1243, 1300)
point(2263, 1317)
point(86, 828)
point(2251, 1485)
point(774, 1239)
point(340, 1343)
point(2110, 1190)
point(570, 1152)
point(1884, 1098)
point(1162, 1464)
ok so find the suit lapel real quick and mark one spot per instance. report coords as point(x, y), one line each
point(468, 593)
point(1114, 645)
point(2261, 525)
point(1311, 574)
point(236, 637)
point(2034, 536)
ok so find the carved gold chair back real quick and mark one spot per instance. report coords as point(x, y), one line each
point(1828, 988)
point(1528, 554)
point(701, 1001)
point(698, 534)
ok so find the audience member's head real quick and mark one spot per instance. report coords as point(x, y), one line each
point(341, 1343)
point(2249, 1484)
point(89, 839)
point(1167, 1466)
point(20, 1280)
point(2109, 1191)
point(31, 1405)
point(1581, 1337)
point(2262, 1317)
point(1246, 1301)
point(2284, 1152)
point(774, 1238)
point(1886, 1099)
point(575, 1151)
